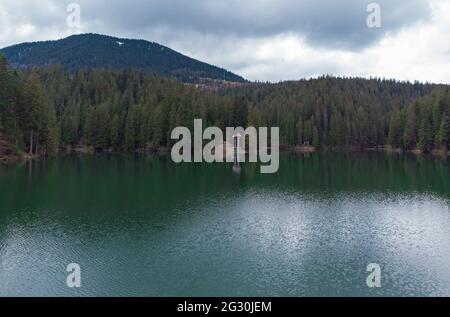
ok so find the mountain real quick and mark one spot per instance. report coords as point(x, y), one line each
point(100, 51)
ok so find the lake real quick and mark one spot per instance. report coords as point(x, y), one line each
point(145, 226)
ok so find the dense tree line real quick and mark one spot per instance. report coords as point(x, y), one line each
point(130, 110)
point(424, 124)
point(44, 109)
point(329, 111)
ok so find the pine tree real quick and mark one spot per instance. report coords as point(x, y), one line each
point(39, 117)
point(426, 132)
point(290, 129)
point(394, 136)
point(410, 131)
point(308, 133)
point(8, 106)
point(443, 136)
point(158, 126)
point(131, 129)
point(4, 83)
point(99, 127)
point(315, 137)
point(254, 117)
point(240, 112)
point(300, 131)
point(70, 125)
point(115, 130)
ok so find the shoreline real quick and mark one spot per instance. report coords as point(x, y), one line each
point(89, 150)
point(354, 149)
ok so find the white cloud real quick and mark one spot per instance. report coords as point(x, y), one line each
point(418, 52)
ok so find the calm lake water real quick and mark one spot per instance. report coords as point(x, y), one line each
point(146, 226)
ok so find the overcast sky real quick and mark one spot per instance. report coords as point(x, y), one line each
point(267, 40)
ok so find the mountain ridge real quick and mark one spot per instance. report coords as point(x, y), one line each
point(98, 51)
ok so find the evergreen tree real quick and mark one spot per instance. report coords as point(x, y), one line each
point(443, 136)
point(131, 129)
point(395, 128)
point(410, 130)
point(99, 127)
point(39, 117)
point(255, 117)
point(115, 132)
point(8, 100)
point(426, 131)
point(315, 137)
point(158, 126)
point(240, 112)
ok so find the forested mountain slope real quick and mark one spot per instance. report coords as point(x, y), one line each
point(100, 51)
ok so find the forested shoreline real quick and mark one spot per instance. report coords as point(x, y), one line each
point(44, 111)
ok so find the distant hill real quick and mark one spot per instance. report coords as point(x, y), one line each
point(100, 51)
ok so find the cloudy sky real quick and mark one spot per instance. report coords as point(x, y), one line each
point(267, 40)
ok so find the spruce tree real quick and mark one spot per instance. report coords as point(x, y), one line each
point(131, 129)
point(442, 139)
point(426, 131)
point(39, 117)
point(115, 131)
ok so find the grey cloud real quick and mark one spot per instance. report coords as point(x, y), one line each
point(324, 23)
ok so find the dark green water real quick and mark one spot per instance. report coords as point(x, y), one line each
point(146, 226)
